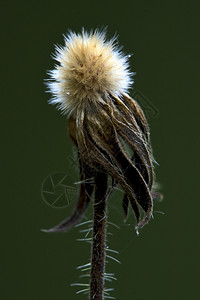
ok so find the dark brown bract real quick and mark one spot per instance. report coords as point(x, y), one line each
point(101, 133)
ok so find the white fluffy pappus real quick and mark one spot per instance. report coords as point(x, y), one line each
point(89, 68)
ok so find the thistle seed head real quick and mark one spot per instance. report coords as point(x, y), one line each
point(90, 83)
point(89, 68)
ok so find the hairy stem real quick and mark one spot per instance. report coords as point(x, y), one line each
point(99, 238)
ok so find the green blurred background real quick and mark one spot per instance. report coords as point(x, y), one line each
point(163, 262)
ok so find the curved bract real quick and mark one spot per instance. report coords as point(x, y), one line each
point(100, 137)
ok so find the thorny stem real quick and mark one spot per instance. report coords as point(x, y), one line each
point(99, 238)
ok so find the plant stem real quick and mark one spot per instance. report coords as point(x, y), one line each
point(99, 238)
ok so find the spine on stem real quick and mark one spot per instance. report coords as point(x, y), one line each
point(99, 239)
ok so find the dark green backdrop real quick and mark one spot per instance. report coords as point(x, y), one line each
point(163, 262)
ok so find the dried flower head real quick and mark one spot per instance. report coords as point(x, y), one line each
point(90, 83)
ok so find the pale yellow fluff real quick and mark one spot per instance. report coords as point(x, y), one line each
point(89, 69)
